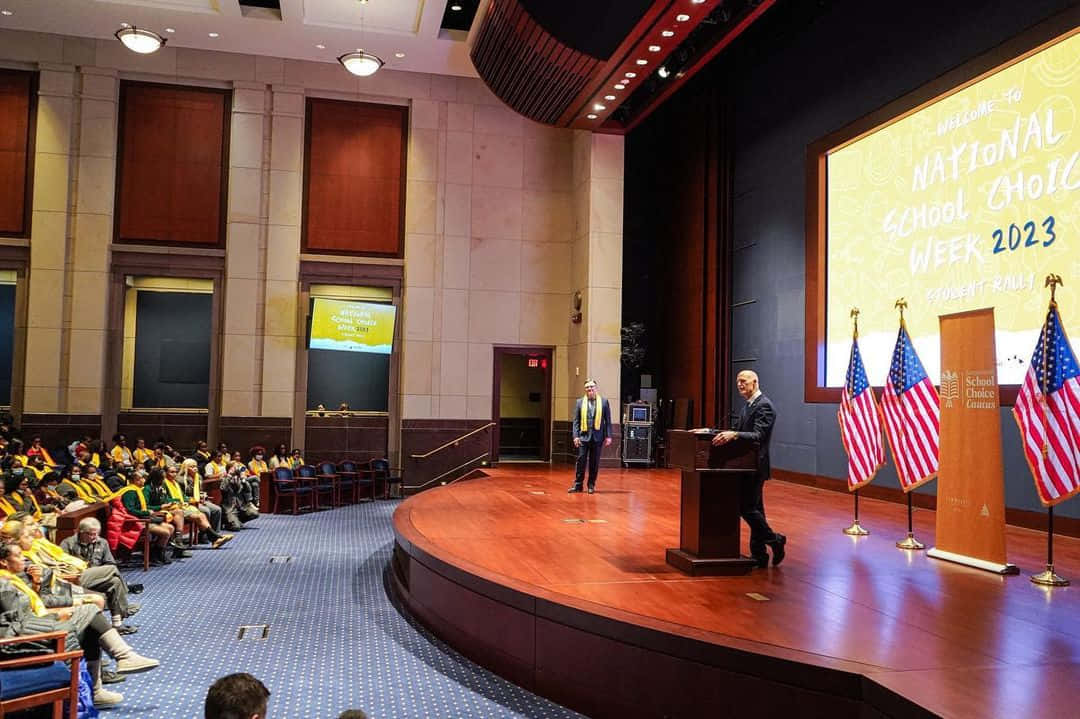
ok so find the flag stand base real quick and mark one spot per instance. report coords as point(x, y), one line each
point(856, 530)
point(910, 543)
point(1048, 578)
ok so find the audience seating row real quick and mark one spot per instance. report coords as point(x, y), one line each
point(307, 484)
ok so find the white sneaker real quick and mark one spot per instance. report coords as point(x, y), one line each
point(135, 663)
point(105, 698)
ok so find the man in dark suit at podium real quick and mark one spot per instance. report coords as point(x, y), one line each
point(592, 432)
point(756, 420)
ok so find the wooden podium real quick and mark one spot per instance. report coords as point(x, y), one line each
point(709, 506)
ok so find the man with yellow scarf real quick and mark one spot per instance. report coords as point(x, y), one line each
point(592, 432)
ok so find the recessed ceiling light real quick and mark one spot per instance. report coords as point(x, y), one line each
point(654, 48)
point(170, 29)
point(6, 13)
point(591, 116)
point(321, 46)
point(631, 75)
point(620, 86)
point(598, 107)
point(125, 24)
point(667, 33)
point(609, 98)
point(399, 55)
point(682, 17)
point(697, 2)
point(213, 34)
point(663, 72)
point(642, 62)
point(455, 8)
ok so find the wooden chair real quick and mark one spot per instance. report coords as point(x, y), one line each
point(288, 486)
point(382, 471)
point(40, 679)
point(328, 473)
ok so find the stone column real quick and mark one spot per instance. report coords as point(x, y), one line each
point(52, 199)
point(88, 262)
point(595, 343)
point(281, 294)
point(244, 246)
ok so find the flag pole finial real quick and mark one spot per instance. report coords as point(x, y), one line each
point(901, 304)
point(855, 319)
point(1052, 281)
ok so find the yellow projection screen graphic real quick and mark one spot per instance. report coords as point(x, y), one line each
point(352, 326)
point(966, 203)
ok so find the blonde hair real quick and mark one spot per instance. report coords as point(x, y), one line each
point(12, 529)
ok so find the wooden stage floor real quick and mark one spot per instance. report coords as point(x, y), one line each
point(848, 626)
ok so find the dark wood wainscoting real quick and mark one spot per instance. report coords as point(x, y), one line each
point(242, 433)
point(563, 451)
point(355, 437)
point(423, 436)
point(59, 430)
point(180, 429)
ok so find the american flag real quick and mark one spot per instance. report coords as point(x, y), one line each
point(860, 426)
point(910, 407)
point(1050, 423)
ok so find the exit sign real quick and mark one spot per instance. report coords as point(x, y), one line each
point(534, 362)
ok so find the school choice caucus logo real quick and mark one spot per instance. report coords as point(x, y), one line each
point(977, 388)
point(950, 388)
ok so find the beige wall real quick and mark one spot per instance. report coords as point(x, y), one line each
point(505, 219)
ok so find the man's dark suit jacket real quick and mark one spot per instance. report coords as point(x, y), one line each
point(587, 433)
point(755, 424)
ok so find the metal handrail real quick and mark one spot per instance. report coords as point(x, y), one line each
point(452, 443)
point(449, 471)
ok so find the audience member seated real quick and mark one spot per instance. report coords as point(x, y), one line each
point(158, 459)
point(201, 455)
point(249, 493)
point(120, 454)
point(159, 501)
point(122, 528)
point(141, 453)
point(15, 452)
point(191, 512)
point(11, 480)
point(236, 505)
point(103, 578)
point(87, 627)
point(47, 497)
point(18, 494)
point(296, 460)
point(236, 696)
point(280, 458)
point(191, 483)
point(36, 450)
point(73, 488)
point(101, 573)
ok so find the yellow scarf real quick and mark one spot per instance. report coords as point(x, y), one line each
point(45, 547)
point(138, 493)
point(585, 412)
point(175, 492)
point(36, 605)
point(21, 501)
point(257, 467)
point(6, 507)
point(81, 491)
point(99, 487)
point(141, 455)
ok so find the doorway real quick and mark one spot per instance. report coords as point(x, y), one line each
point(521, 404)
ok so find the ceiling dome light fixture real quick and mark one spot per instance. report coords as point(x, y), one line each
point(667, 33)
point(663, 72)
point(620, 86)
point(591, 116)
point(360, 63)
point(682, 17)
point(143, 42)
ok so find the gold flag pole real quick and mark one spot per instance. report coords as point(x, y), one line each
point(1047, 577)
point(855, 530)
point(908, 542)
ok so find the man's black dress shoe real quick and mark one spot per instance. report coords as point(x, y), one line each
point(762, 560)
point(778, 548)
point(573, 489)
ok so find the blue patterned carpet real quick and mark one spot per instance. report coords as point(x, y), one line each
point(336, 641)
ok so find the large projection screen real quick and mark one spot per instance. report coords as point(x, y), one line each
point(966, 201)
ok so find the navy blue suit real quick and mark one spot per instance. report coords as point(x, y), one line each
point(592, 439)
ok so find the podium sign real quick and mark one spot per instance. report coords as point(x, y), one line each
point(971, 482)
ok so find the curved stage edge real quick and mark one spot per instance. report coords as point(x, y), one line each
point(587, 613)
